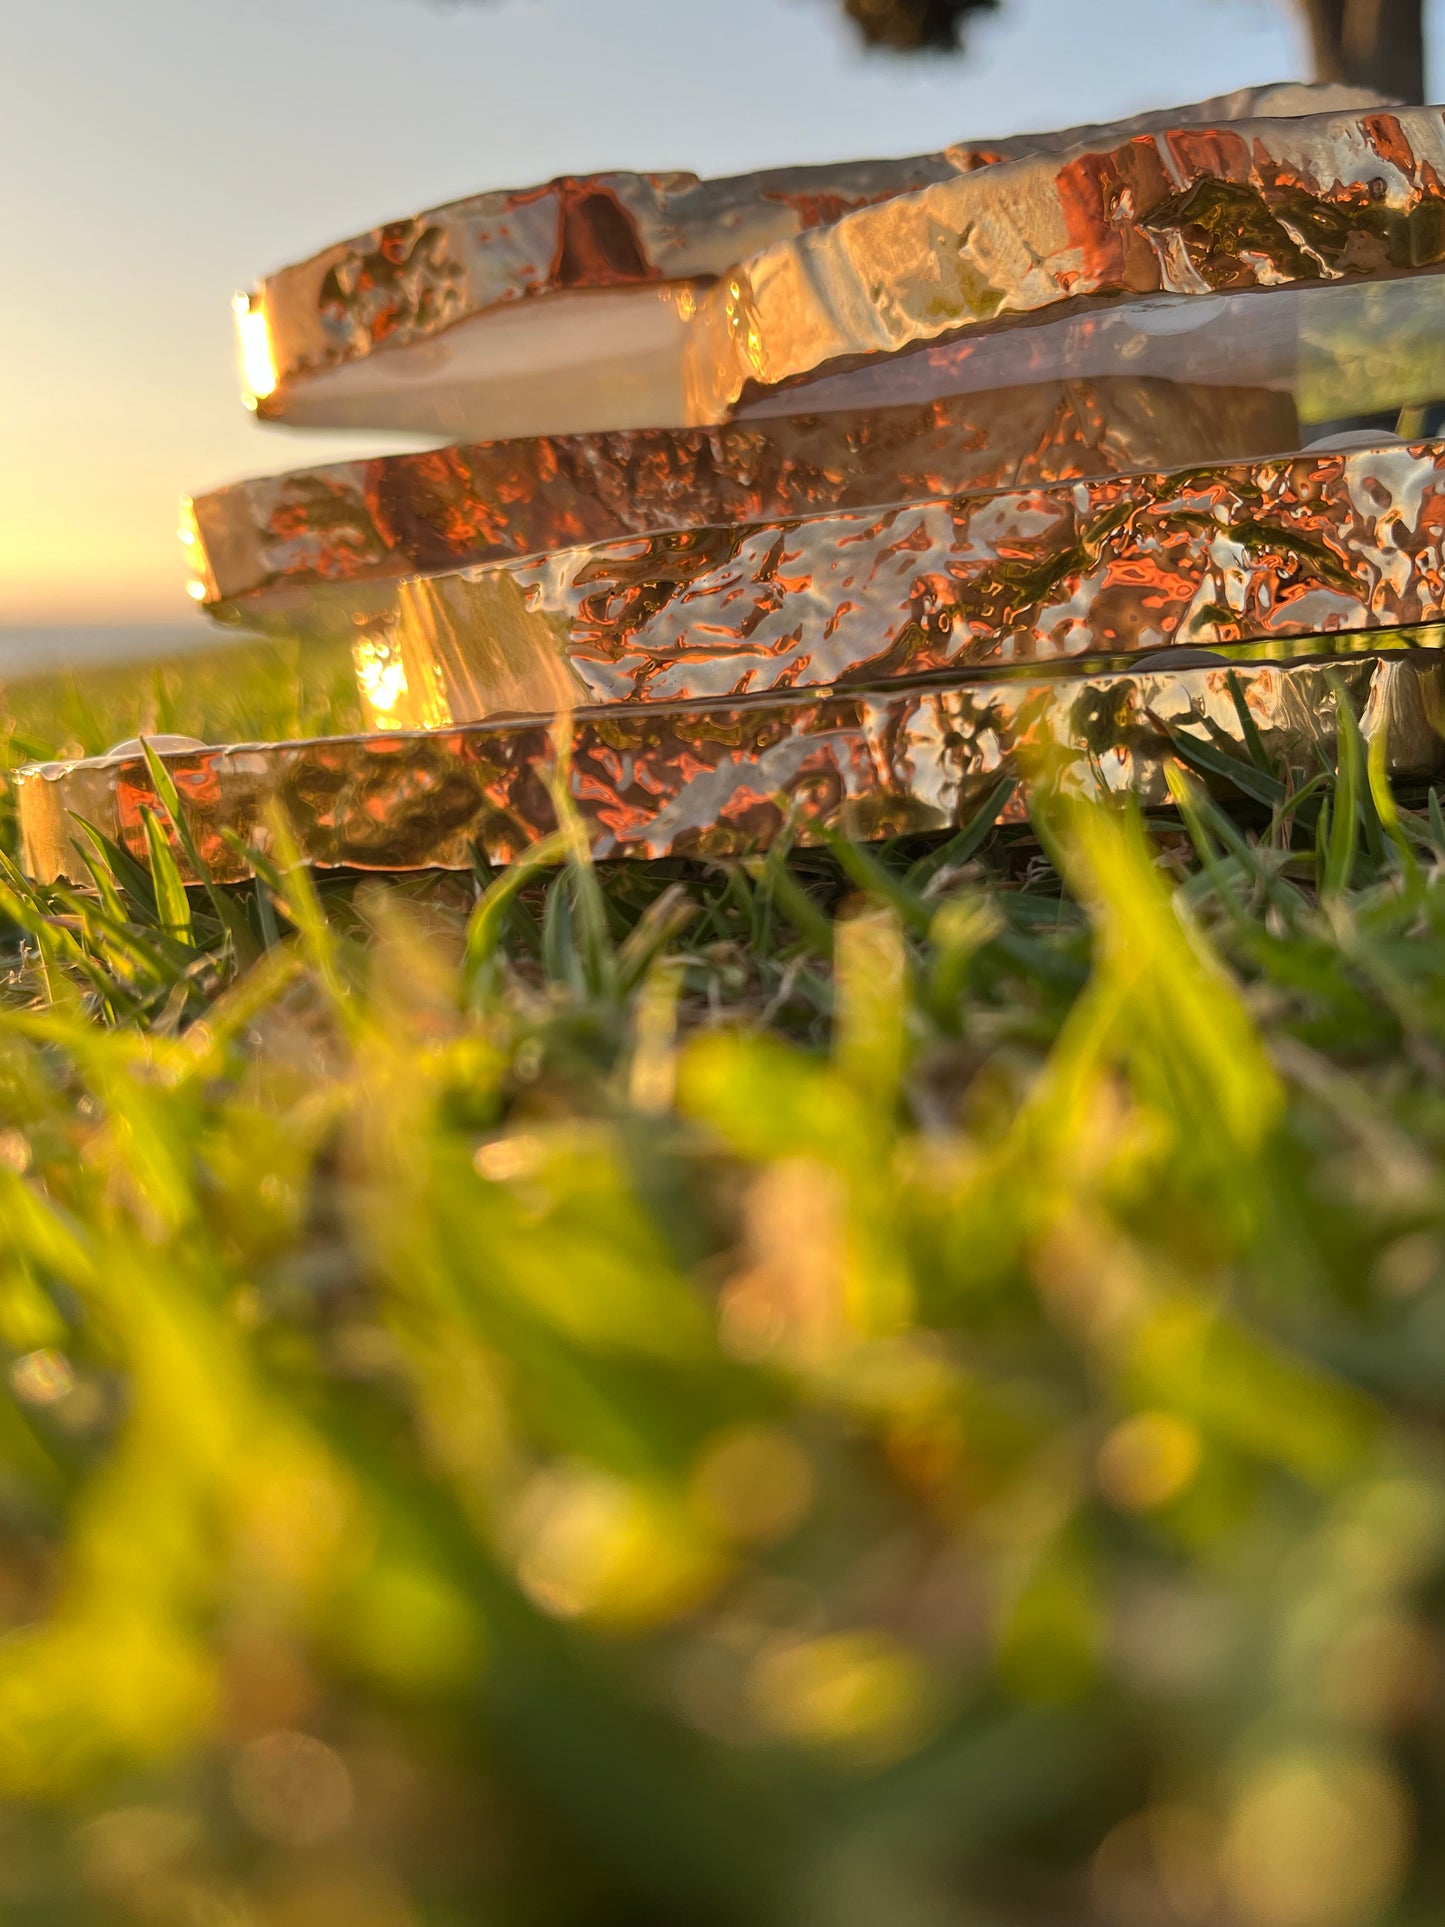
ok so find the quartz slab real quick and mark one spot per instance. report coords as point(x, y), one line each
point(1265, 552)
point(1196, 211)
point(320, 548)
point(568, 307)
point(726, 779)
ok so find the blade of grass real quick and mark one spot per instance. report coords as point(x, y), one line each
point(864, 869)
point(962, 847)
point(811, 924)
point(132, 878)
point(1342, 845)
point(663, 919)
point(1187, 800)
point(1206, 759)
point(1322, 845)
point(172, 904)
point(488, 921)
point(1248, 729)
point(587, 922)
point(226, 911)
point(1377, 772)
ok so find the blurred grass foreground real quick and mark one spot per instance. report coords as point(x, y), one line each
point(895, 1385)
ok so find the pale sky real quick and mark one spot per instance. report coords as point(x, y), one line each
point(157, 155)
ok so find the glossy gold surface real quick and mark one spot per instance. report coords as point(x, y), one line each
point(724, 779)
point(275, 547)
point(406, 283)
point(1259, 552)
point(1192, 211)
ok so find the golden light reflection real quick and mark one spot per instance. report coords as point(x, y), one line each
point(861, 1695)
point(15, 1151)
point(258, 368)
point(200, 582)
point(1148, 1460)
point(1317, 1839)
point(381, 675)
point(42, 1377)
point(621, 1554)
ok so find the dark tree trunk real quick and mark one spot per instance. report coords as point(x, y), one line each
point(914, 26)
point(1372, 43)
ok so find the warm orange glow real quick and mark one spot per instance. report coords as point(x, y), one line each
point(200, 584)
point(258, 369)
point(382, 676)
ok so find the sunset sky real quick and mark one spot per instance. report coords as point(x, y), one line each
point(156, 156)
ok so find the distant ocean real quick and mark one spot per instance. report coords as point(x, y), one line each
point(45, 649)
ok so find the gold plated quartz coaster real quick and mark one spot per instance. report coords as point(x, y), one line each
point(318, 547)
point(1194, 211)
point(1264, 552)
point(723, 779)
point(568, 307)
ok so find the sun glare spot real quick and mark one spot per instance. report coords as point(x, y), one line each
point(509, 1158)
point(381, 674)
point(258, 370)
point(42, 1378)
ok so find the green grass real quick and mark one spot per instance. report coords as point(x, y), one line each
point(895, 1385)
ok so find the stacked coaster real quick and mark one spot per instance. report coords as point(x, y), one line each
point(821, 496)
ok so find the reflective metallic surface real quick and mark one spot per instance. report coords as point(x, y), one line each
point(720, 780)
point(398, 291)
point(1195, 211)
point(1333, 349)
point(985, 414)
point(1321, 543)
point(267, 547)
